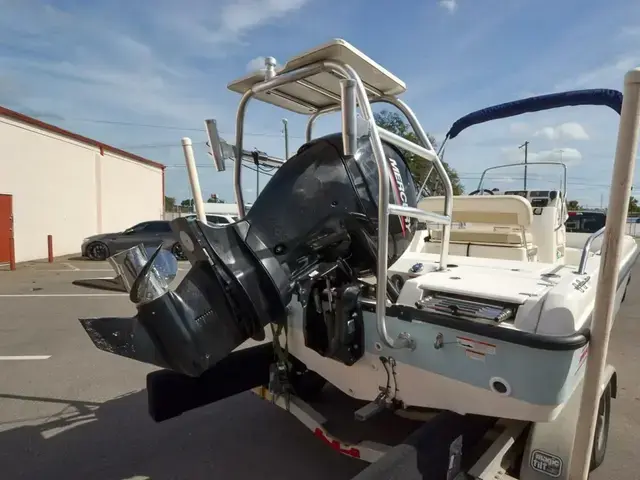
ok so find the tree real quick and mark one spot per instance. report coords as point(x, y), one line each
point(188, 203)
point(169, 204)
point(419, 167)
point(573, 205)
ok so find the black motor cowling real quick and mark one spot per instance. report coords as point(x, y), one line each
point(319, 209)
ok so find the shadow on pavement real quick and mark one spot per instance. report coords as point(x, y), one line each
point(239, 438)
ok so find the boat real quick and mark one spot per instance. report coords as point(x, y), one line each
point(518, 283)
point(342, 273)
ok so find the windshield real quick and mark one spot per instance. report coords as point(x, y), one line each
point(515, 177)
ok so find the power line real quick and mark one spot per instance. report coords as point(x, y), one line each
point(263, 169)
point(173, 127)
point(192, 129)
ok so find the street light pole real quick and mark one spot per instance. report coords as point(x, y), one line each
point(255, 154)
point(526, 151)
point(286, 138)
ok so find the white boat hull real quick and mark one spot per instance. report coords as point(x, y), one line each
point(538, 378)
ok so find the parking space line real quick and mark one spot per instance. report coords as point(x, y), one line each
point(71, 266)
point(24, 357)
point(51, 295)
point(79, 270)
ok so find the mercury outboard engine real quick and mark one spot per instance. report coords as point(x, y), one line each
point(317, 217)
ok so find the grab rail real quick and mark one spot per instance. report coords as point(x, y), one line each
point(586, 250)
point(425, 143)
point(353, 90)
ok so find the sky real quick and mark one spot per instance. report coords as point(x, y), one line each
point(140, 75)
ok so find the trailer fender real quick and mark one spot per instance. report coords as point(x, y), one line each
point(549, 445)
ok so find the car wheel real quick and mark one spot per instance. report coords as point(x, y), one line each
point(97, 251)
point(601, 437)
point(177, 252)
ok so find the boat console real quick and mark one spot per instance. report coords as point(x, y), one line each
point(521, 225)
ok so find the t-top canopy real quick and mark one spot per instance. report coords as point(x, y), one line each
point(322, 90)
point(609, 98)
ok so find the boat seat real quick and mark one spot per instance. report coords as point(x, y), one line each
point(473, 234)
point(489, 226)
point(484, 209)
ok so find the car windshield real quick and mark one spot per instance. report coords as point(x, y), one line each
point(585, 222)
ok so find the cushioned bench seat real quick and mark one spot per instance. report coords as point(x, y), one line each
point(496, 230)
point(490, 237)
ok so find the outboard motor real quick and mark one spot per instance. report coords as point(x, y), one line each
point(317, 215)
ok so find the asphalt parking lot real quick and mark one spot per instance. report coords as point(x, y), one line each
point(69, 411)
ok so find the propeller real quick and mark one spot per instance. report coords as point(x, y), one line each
point(143, 272)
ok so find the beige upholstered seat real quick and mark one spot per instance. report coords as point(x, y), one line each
point(491, 224)
point(473, 234)
point(484, 209)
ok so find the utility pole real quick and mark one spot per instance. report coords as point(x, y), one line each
point(255, 154)
point(526, 151)
point(286, 138)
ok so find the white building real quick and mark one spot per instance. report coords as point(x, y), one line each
point(54, 182)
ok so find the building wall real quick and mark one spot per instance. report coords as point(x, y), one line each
point(70, 189)
point(131, 193)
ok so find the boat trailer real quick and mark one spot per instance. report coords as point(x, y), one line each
point(433, 445)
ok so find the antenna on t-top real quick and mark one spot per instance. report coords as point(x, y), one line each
point(214, 144)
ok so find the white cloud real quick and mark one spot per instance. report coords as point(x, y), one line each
point(235, 20)
point(572, 130)
point(243, 15)
point(255, 64)
point(565, 131)
point(548, 132)
point(604, 76)
point(87, 68)
point(159, 66)
point(630, 31)
point(449, 5)
point(519, 128)
point(558, 65)
point(568, 156)
point(68, 63)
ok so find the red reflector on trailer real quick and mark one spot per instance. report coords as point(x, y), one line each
point(336, 445)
